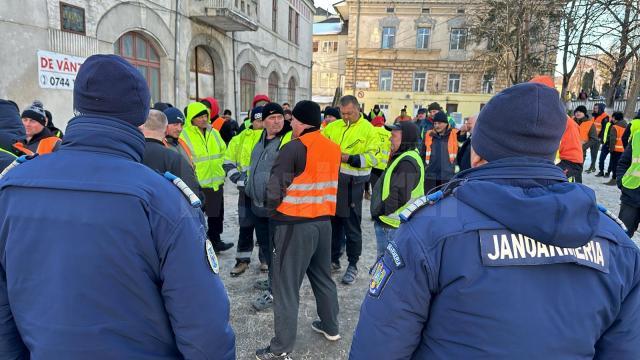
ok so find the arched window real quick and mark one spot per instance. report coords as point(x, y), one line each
point(201, 75)
point(292, 91)
point(273, 86)
point(247, 86)
point(141, 53)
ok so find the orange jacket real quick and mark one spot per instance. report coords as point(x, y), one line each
point(313, 193)
point(570, 146)
point(45, 146)
point(217, 124)
point(452, 146)
point(585, 127)
point(598, 122)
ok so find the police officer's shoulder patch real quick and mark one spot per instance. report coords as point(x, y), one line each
point(421, 202)
point(392, 250)
point(380, 275)
point(210, 253)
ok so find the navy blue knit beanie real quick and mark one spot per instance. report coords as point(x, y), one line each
point(108, 85)
point(524, 120)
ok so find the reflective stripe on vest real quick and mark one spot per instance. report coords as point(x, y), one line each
point(452, 146)
point(207, 157)
point(597, 121)
point(631, 178)
point(619, 146)
point(585, 127)
point(314, 192)
point(393, 219)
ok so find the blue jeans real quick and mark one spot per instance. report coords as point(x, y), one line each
point(384, 234)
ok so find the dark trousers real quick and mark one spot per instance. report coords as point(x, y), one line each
point(246, 220)
point(299, 249)
point(630, 216)
point(214, 209)
point(373, 178)
point(593, 147)
point(264, 239)
point(572, 170)
point(604, 152)
point(348, 226)
point(613, 163)
point(430, 184)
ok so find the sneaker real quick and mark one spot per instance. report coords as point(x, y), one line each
point(335, 267)
point(261, 284)
point(350, 275)
point(239, 269)
point(222, 246)
point(317, 327)
point(266, 354)
point(600, 174)
point(264, 268)
point(263, 302)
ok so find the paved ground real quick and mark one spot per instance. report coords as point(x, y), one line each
point(253, 330)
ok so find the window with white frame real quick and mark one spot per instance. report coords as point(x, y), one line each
point(388, 37)
point(422, 38)
point(329, 46)
point(458, 39)
point(488, 81)
point(454, 83)
point(385, 109)
point(419, 81)
point(386, 77)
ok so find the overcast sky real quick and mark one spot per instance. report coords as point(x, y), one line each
point(325, 4)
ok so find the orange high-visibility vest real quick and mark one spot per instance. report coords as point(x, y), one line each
point(598, 122)
point(45, 146)
point(619, 147)
point(314, 192)
point(452, 146)
point(570, 147)
point(585, 127)
point(217, 124)
point(184, 147)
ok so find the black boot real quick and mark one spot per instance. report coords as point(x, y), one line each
point(607, 175)
point(600, 174)
point(221, 246)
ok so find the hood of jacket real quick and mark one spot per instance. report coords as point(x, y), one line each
point(601, 107)
point(532, 197)
point(11, 128)
point(193, 109)
point(409, 137)
point(104, 134)
point(215, 108)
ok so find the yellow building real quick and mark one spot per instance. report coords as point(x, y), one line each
point(410, 54)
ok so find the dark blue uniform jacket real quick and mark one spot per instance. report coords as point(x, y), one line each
point(517, 263)
point(123, 273)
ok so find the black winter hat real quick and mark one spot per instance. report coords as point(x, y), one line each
point(582, 109)
point(307, 112)
point(524, 120)
point(333, 112)
point(174, 116)
point(36, 112)
point(256, 114)
point(270, 109)
point(440, 117)
point(618, 116)
point(434, 106)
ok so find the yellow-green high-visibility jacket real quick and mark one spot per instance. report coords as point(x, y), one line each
point(285, 139)
point(237, 158)
point(359, 140)
point(207, 149)
point(631, 178)
point(635, 127)
point(384, 147)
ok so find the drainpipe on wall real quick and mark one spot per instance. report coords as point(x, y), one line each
point(235, 90)
point(355, 60)
point(175, 57)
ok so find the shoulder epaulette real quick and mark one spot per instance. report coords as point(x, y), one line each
point(605, 211)
point(421, 202)
point(190, 195)
point(16, 162)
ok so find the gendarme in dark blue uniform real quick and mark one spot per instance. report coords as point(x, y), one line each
point(514, 261)
point(100, 257)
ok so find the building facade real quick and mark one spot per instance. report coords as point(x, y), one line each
point(411, 53)
point(329, 54)
point(186, 49)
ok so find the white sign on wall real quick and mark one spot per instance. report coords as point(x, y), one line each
point(362, 84)
point(57, 71)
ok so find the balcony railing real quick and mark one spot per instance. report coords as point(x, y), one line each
point(226, 15)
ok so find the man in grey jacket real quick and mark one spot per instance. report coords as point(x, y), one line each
point(262, 158)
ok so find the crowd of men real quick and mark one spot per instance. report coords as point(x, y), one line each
point(129, 269)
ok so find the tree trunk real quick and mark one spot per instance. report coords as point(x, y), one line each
point(630, 107)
